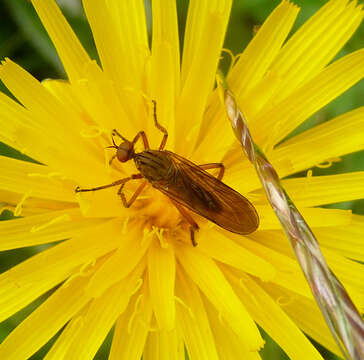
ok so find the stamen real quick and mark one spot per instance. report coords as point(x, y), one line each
point(138, 285)
point(284, 300)
point(61, 218)
point(221, 319)
point(308, 181)
point(193, 130)
point(50, 175)
point(232, 57)
point(328, 163)
point(269, 145)
point(19, 206)
point(135, 312)
point(4, 206)
point(79, 321)
point(92, 131)
point(243, 286)
point(85, 270)
point(181, 302)
point(125, 225)
point(147, 234)
point(159, 233)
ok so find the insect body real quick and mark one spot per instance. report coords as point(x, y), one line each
point(187, 185)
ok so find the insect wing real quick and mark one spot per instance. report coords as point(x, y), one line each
point(209, 197)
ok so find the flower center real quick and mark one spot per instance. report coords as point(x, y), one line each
point(157, 210)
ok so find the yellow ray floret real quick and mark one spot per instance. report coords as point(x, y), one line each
point(101, 316)
point(209, 278)
point(48, 318)
point(70, 50)
point(193, 321)
point(132, 328)
point(161, 275)
point(276, 323)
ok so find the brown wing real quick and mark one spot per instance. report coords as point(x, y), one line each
point(202, 193)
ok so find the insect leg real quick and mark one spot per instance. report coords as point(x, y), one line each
point(215, 166)
point(115, 183)
point(159, 126)
point(144, 138)
point(135, 195)
point(193, 225)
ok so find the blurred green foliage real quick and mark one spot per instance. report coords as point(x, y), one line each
point(23, 39)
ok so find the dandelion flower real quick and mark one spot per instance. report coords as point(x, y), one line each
point(135, 267)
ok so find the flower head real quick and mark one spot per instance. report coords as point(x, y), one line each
point(135, 266)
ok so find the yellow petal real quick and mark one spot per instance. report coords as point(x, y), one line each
point(25, 282)
point(273, 320)
point(25, 205)
point(161, 271)
point(227, 343)
point(163, 91)
point(101, 316)
point(345, 240)
point(205, 31)
point(315, 44)
point(70, 50)
point(47, 319)
point(43, 228)
point(209, 278)
point(22, 177)
point(122, 47)
point(12, 115)
point(248, 71)
point(323, 142)
point(193, 321)
point(289, 274)
point(263, 49)
point(165, 31)
point(65, 143)
point(342, 268)
point(129, 254)
point(217, 246)
point(321, 190)
point(164, 345)
point(131, 329)
point(131, 35)
point(306, 314)
point(65, 339)
point(309, 98)
point(315, 217)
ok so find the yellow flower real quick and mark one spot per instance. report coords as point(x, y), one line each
point(136, 267)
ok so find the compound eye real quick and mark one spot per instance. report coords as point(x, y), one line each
point(124, 152)
point(122, 155)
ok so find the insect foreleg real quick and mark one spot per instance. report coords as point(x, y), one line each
point(159, 126)
point(135, 195)
point(193, 225)
point(215, 166)
point(144, 138)
point(115, 183)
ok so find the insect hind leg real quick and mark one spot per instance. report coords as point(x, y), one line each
point(193, 225)
point(220, 166)
point(159, 126)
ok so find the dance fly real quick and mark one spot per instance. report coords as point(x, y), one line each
point(186, 184)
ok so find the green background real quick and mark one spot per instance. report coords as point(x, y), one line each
point(23, 39)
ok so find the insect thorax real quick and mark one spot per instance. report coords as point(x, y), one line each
point(154, 165)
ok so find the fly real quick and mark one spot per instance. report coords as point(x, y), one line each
point(186, 184)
